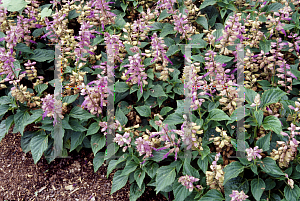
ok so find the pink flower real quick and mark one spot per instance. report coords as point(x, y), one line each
point(187, 181)
point(238, 196)
point(143, 147)
point(51, 108)
point(123, 139)
point(253, 153)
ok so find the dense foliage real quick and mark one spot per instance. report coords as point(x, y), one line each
point(149, 40)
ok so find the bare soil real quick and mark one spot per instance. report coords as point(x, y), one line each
point(63, 179)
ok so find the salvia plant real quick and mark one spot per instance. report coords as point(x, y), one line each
point(152, 131)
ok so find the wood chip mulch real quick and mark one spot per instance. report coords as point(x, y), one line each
point(63, 179)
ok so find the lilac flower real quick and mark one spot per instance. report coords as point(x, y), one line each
point(188, 181)
point(95, 99)
point(238, 196)
point(158, 46)
point(256, 101)
point(123, 139)
point(136, 69)
point(104, 126)
point(166, 4)
point(143, 147)
point(8, 65)
point(253, 153)
point(100, 11)
point(85, 36)
point(290, 181)
point(51, 108)
point(181, 25)
point(116, 44)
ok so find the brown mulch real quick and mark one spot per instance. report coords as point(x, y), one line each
point(63, 179)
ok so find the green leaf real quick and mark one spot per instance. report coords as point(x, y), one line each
point(144, 111)
point(23, 48)
point(36, 114)
point(152, 169)
point(250, 95)
point(169, 41)
point(272, 123)
point(5, 100)
point(2, 130)
point(3, 109)
point(119, 181)
point(197, 41)
point(76, 125)
point(120, 22)
point(222, 59)
point(157, 91)
point(257, 188)
point(73, 14)
point(271, 96)
point(270, 184)
point(157, 26)
point(270, 166)
point(38, 145)
point(168, 29)
point(212, 195)
point(37, 33)
point(98, 161)
point(265, 46)
point(9, 122)
point(15, 5)
point(121, 87)
point(165, 176)
point(202, 21)
point(264, 142)
point(223, 12)
point(203, 164)
point(40, 88)
point(232, 170)
point(97, 142)
point(259, 115)
point(180, 191)
point(130, 167)
point(46, 12)
point(288, 26)
point(172, 50)
point(190, 170)
point(237, 183)
point(218, 115)
point(120, 116)
point(136, 192)
point(207, 3)
point(94, 128)
point(41, 55)
point(76, 139)
point(165, 110)
point(205, 152)
point(139, 176)
point(292, 194)
point(26, 138)
point(174, 119)
point(20, 119)
point(274, 7)
point(70, 99)
point(113, 163)
point(164, 14)
point(79, 113)
point(124, 6)
point(148, 62)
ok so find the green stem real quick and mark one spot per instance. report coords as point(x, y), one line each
point(281, 192)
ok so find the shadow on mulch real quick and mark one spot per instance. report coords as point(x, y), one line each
point(63, 179)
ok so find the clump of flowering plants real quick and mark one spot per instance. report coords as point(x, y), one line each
point(153, 135)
